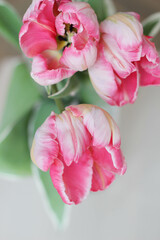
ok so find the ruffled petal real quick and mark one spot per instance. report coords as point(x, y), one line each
point(125, 29)
point(86, 16)
point(45, 147)
point(114, 55)
point(73, 137)
point(41, 11)
point(149, 66)
point(35, 38)
point(149, 75)
point(31, 12)
point(80, 59)
point(46, 69)
point(99, 123)
point(110, 87)
point(106, 164)
point(73, 183)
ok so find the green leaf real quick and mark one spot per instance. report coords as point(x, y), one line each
point(22, 94)
point(10, 23)
point(14, 151)
point(56, 207)
point(151, 25)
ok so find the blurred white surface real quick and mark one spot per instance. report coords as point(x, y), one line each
point(128, 210)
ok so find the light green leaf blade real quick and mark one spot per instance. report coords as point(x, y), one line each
point(10, 23)
point(22, 95)
point(151, 25)
point(14, 151)
point(57, 210)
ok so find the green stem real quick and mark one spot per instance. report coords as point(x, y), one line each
point(58, 102)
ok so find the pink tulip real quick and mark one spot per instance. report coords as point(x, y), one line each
point(61, 36)
point(81, 147)
point(126, 59)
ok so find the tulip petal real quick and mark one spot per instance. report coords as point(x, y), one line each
point(106, 164)
point(35, 38)
point(99, 123)
point(45, 147)
point(102, 177)
point(149, 66)
point(114, 55)
point(41, 11)
point(96, 123)
point(80, 59)
point(46, 69)
point(114, 90)
point(73, 137)
point(149, 76)
point(73, 183)
point(31, 12)
point(125, 29)
point(110, 158)
point(117, 159)
point(86, 16)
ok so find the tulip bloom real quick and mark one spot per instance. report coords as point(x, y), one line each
point(61, 36)
point(81, 147)
point(126, 59)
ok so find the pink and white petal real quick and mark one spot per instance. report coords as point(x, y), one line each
point(125, 29)
point(48, 71)
point(45, 147)
point(111, 160)
point(35, 38)
point(129, 89)
point(41, 11)
point(114, 90)
point(101, 178)
point(68, 18)
point(73, 137)
point(95, 121)
point(117, 159)
point(103, 79)
point(79, 60)
point(45, 14)
point(73, 183)
point(134, 14)
point(86, 16)
point(31, 12)
point(114, 55)
point(98, 126)
point(149, 51)
point(106, 165)
point(116, 138)
point(113, 138)
point(149, 76)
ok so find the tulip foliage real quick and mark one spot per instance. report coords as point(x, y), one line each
point(78, 58)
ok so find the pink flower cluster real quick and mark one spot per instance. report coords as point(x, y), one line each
point(64, 37)
point(81, 146)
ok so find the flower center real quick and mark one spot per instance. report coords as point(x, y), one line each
point(66, 39)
